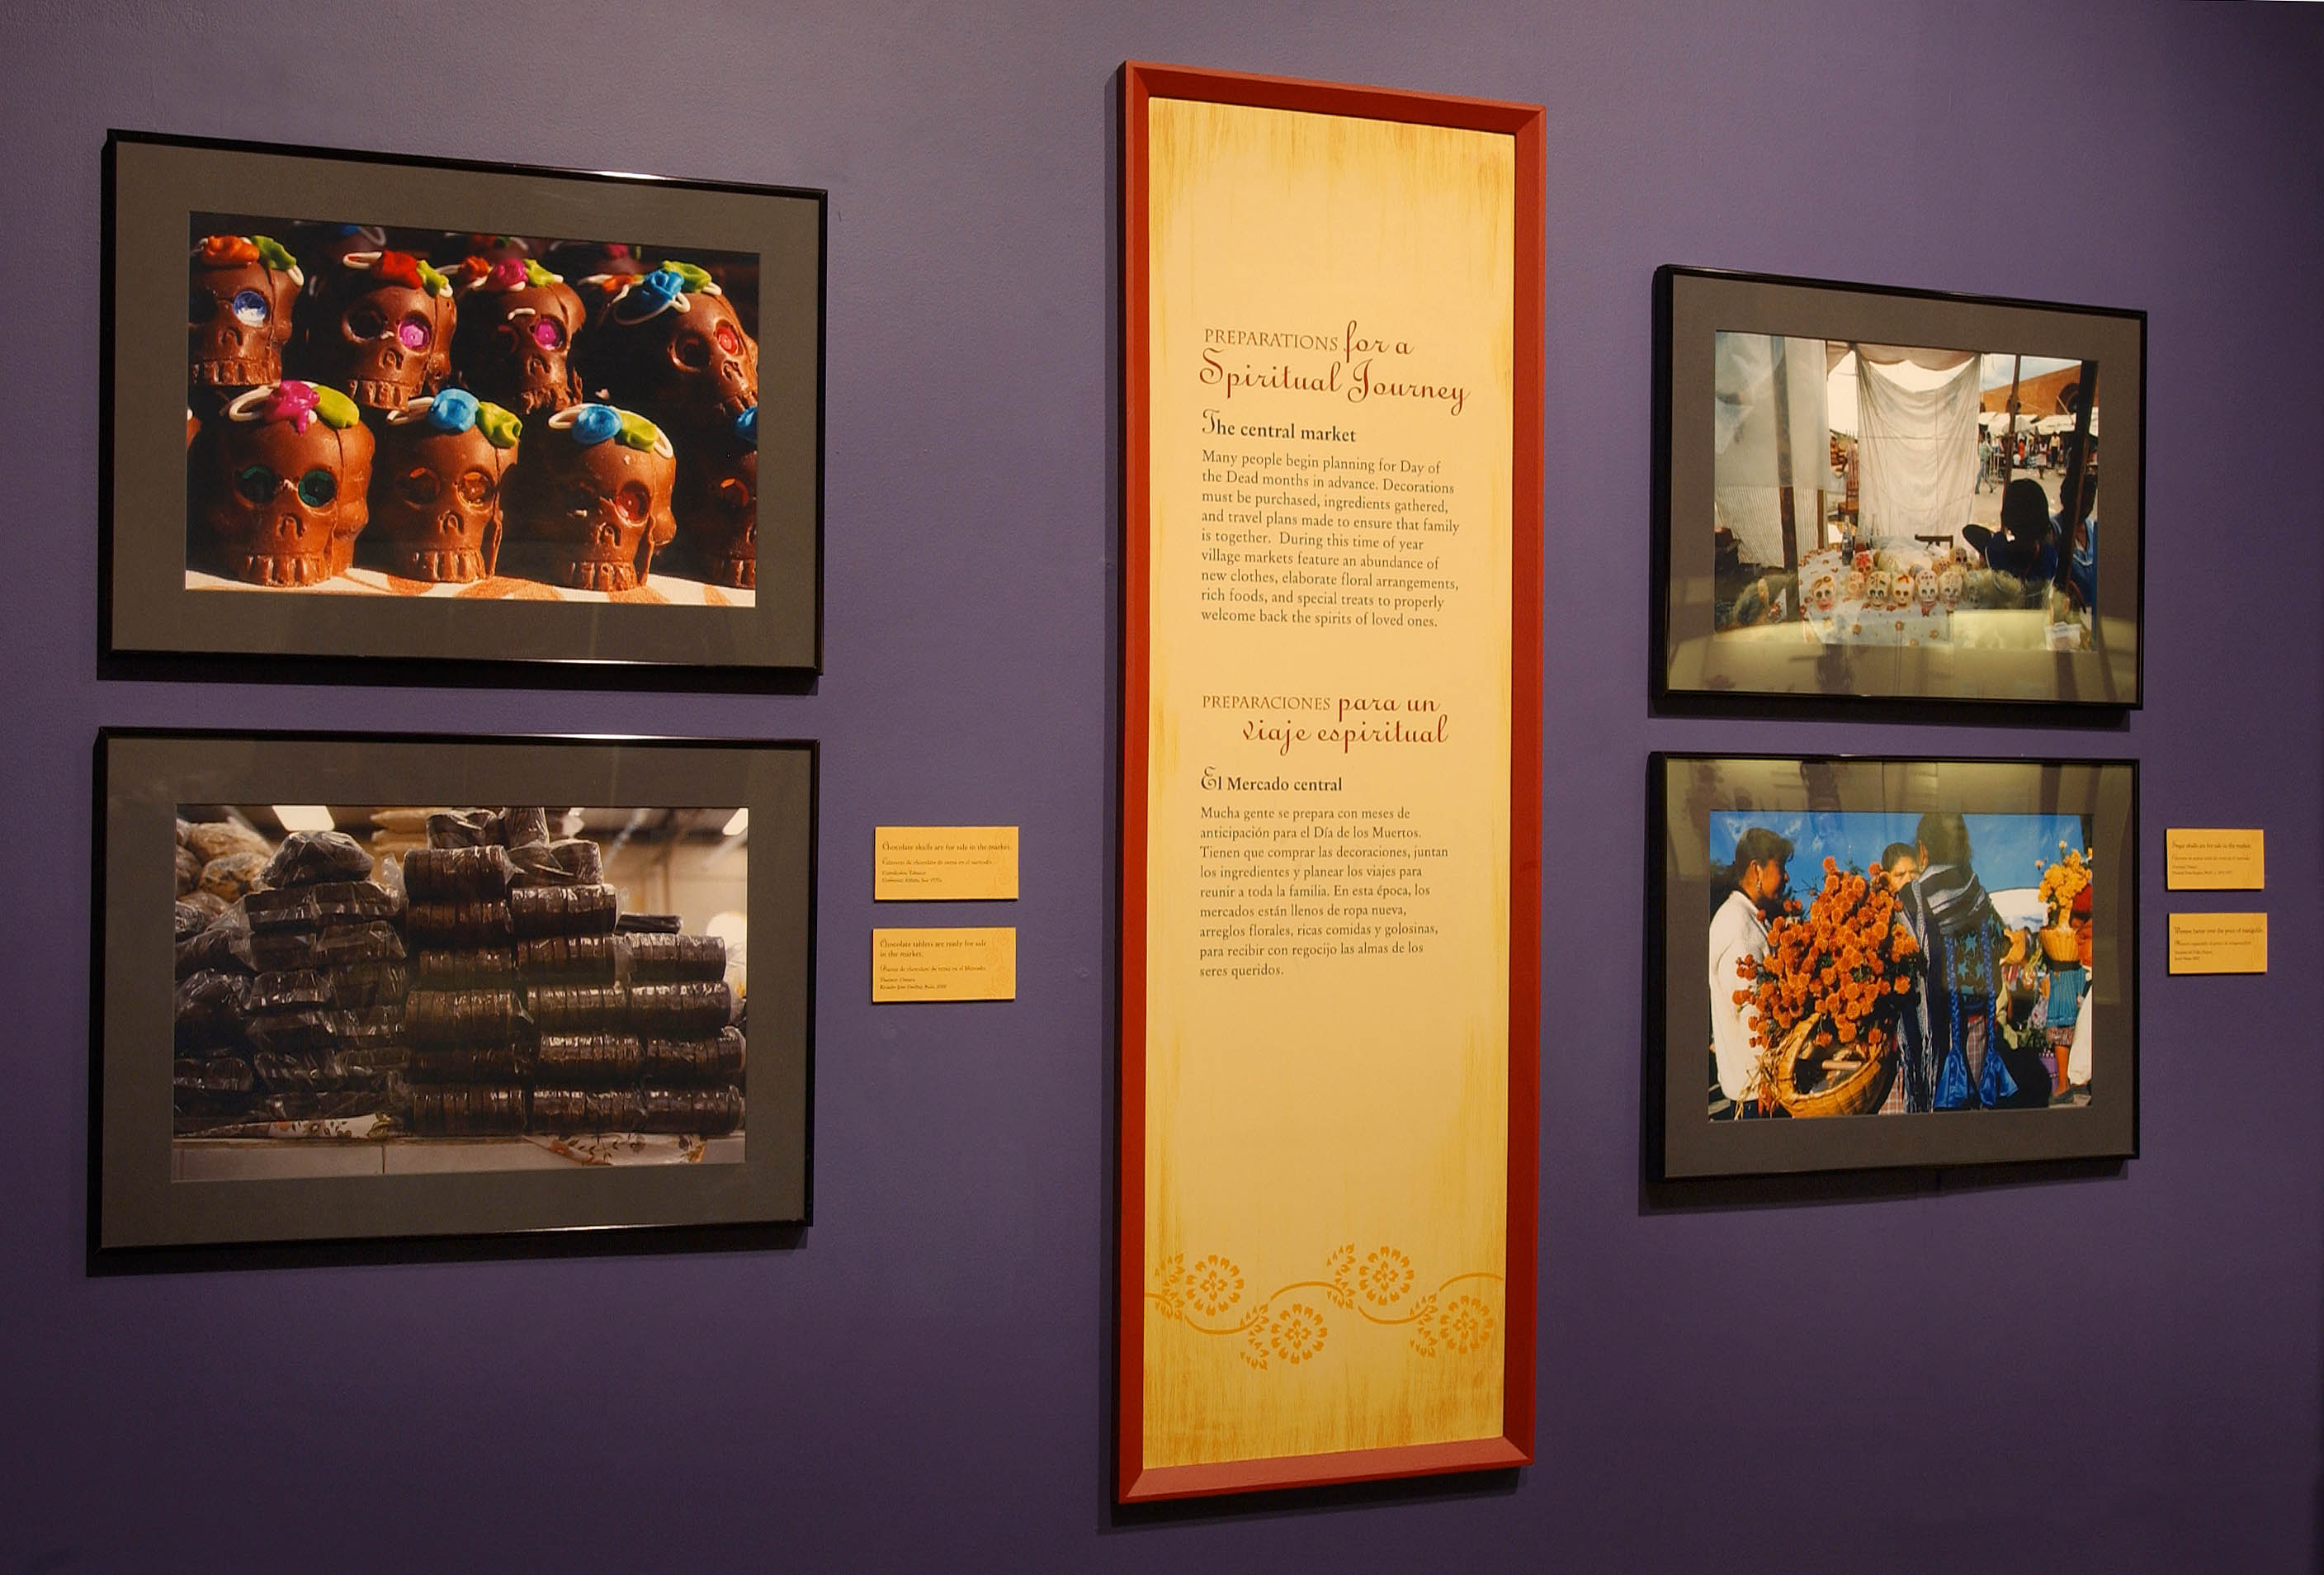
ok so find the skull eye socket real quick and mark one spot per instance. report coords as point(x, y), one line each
point(734, 497)
point(691, 351)
point(256, 483)
point(728, 339)
point(548, 333)
point(250, 308)
point(411, 333)
point(419, 486)
point(475, 487)
point(365, 320)
point(318, 487)
point(631, 500)
point(580, 498)
point(200, 304)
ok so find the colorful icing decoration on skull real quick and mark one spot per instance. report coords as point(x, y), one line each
point(284, 493)
point(242, 290)
point(593, 499)
point(444, 462)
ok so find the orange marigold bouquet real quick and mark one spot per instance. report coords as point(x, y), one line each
point(1848, 960)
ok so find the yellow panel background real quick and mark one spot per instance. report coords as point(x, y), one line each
point(1327, 1148)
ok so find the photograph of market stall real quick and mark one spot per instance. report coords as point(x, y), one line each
point(1903, 495)
point(1865, 963)
point(370, 989)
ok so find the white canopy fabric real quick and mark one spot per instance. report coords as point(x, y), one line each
point(1917, 448)
point(1748, 474)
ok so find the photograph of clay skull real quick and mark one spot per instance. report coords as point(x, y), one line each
point(429, 413)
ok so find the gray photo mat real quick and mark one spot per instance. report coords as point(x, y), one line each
point(143, 777)
point(1686, 788)
point(1695, 660)
point(159, 185)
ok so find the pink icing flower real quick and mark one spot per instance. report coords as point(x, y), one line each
point(293, 402)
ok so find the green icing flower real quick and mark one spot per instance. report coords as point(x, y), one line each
point(698, 281)
point(537, 275)
point(335, 408)
point(276, 256)
point(432, 280)
point(637, 432)
point(501, 427)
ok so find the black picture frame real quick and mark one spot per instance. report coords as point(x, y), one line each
point(1695, 665)
point(153, 186)
point(140, 1213)
point(1683, 1138)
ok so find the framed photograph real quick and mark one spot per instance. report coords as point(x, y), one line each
point(1879, 963)
point(356, 988)
point(433, 410)
point(1331, 783)
point(1895, 495)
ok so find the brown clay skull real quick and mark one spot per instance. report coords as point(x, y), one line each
point(385, 333)
point(515, 339)
point(594, 503)
point(671, 343)
point(284, 493)
point(718, 502)
point(239, 311)
point(443, 462)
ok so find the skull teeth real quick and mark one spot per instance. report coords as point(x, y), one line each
point(598, 574)
point(270, 569)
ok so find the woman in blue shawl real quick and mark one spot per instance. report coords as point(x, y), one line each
point(1952, 1053)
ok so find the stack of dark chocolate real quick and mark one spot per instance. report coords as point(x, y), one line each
point(534, 1008)
point(290, 1002)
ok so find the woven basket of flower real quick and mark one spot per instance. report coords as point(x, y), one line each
point(2060, 945)
point(1851, 1083)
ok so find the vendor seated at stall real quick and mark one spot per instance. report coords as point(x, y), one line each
point(2027, 544)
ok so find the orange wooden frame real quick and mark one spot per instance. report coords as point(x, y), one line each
point(1134, 1480)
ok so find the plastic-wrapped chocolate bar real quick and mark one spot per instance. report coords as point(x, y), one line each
point(708, 1112)
point(308, 858)
point(489, 968)
point(307, 1073)
point(216, 1074)
point(466, 1110)
point(564, 1111)
point(525, 826)
point(717, 1060)
point(464, 829)
point(189, 919)
point(333, 946)
point(579, 1008)
point(591, 1059)
point(580, 858)
point(346, 989)
point(224, 944)
point(562, 911)
point(577, 958)
point(649, 924)
point(460, 1017)
point(375, 1031)
point(669, 960)
point(688, 1011)
point(502, 1062)
point(456, 875)
point(310, 907)
point(210, 1007)
point(457, 926)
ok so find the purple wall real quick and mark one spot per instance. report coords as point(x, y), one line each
point(2118, 1373)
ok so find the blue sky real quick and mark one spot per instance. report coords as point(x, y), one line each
point(2003, 848)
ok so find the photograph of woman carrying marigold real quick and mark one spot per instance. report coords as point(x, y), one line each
point(1933, 963)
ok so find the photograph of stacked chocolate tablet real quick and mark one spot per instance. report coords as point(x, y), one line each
point(289, 1000)
point(533, 1010)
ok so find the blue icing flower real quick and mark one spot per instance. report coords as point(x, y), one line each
point(651, 295)
point(594, 423)
point(453, 411)
point(746, 426)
